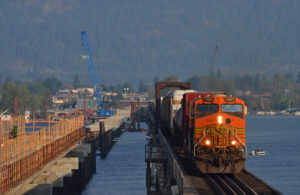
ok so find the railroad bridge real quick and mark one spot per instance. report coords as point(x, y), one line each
point(59, 157)
point(168, 170)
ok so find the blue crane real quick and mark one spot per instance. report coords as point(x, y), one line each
point(92, 72)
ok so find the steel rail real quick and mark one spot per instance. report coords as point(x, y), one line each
point(215, 186)
point(243, 186)
point(224, 184)
point(233, 185)
point(228, 184)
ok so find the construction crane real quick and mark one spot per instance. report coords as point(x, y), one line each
point(93, 77)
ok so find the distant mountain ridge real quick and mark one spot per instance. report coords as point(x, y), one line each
point(135, 40)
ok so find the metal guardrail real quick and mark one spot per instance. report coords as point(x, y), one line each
point(27, 152)
point(185, 186)
point(154, 154)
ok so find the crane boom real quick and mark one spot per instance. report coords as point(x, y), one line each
point(91, 68)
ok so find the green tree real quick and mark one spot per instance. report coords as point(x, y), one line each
point(46, 98)
point(124, 87)
point(76, 81)
point(35, 103)
point(115, 101)
point(53, 84)
point(261, 83)
point(24, 96)
point(8, 95)
point(36, 87)
point(244, 82)
point(171, 78)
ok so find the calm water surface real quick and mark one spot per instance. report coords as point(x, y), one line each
point(279, 136)
point(123, 170)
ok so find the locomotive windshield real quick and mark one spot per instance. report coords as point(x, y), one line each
point(206, 109)
point(232, 108)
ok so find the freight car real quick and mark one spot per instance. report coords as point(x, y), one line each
point(210, 127)
point(170, 106)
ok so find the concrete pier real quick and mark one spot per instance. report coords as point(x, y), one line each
point(67, 174)
point(70, 171)
point(111, 123)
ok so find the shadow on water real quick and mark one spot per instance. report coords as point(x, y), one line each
point(123, 169)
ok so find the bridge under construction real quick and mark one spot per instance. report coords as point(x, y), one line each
point(58, 157)
point(25, 150)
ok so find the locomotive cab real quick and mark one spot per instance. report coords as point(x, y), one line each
point(217, 124)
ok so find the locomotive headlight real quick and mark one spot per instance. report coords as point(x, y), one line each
point(233, 142)
point(207, 142)
point(220, 119)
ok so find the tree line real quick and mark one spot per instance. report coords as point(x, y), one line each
point(32, 95)
point(273, 93)
point(261, 92)
point(36, 95)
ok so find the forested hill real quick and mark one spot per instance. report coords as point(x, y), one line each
point(135, 40)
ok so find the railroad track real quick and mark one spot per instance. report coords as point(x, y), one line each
point(239, 183)
point(243, 182)
point(228, 184)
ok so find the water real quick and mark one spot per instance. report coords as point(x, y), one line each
point(279, 136)
point(123, 171)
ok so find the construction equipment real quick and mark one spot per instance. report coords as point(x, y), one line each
point(14, 132)
point(94, 80)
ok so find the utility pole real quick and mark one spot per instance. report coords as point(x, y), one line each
point(287, 93)
point(214, 59)
point(16, 107)
point(139, 113)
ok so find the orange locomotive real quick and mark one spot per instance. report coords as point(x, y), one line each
point(213, 132)
point(217, 124)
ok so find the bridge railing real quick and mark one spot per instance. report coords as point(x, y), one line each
point(183, 183)
point(23, 152)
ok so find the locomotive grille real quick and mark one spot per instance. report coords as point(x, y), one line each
point(219, 135)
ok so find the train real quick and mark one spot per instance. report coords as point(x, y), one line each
point(209, 126)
